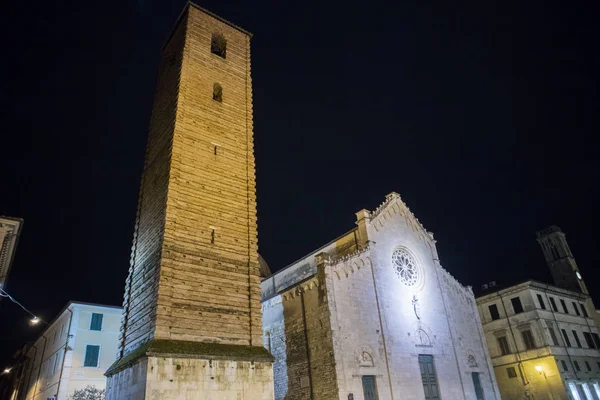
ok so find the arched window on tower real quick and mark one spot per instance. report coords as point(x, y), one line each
point(217, 93)
point(554, 251)
point(218, 45)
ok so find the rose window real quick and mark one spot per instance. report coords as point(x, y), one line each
point(405, 267)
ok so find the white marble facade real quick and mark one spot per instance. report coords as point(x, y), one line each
point(387, 305)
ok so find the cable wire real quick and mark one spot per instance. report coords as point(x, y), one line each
point(3, 293)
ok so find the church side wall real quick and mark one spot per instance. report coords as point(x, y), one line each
point(297, 332)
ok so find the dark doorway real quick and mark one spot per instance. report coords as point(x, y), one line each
point(429, 378)
point(369, 387)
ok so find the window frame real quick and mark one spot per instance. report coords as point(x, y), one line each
point(553, 304)
point(218, 45)
point(596, 338)
point(553, 336)
point(85, 355)
point(584, 310)
point(500, 340)
point(528, 339)
point(566, 338)
point(564, 365)
point(217, 92)
point(55, 363)
point(497, 312)
point(91, 327)
point(541, 301)
point(576, 338)
point(576, 309)
point(589, 340)
point(511, 372)
point(564, 306)
point(516, 303)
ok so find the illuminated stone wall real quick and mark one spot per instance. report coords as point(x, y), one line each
point(195, 248)
point(547, 354)
point(377, 322)
point(298, 334)
point(193, 379)
point(194, 276)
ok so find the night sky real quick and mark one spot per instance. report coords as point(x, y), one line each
point(483, 116)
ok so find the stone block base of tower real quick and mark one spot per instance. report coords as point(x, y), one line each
point(180, 375)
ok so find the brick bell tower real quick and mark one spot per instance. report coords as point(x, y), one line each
point(191, 324)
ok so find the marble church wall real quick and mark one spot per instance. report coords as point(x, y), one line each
point(378, 319)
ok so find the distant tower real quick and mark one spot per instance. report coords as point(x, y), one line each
point(561, 262)
point(191, 324)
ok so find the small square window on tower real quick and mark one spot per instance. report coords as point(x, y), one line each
point(218, 92)
point(218, 45)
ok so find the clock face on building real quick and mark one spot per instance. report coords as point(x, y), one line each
point(406, 267)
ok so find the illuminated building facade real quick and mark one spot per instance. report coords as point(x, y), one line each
point(543, 342)
point(373, 315)
point(72, 353)
point(544, 339)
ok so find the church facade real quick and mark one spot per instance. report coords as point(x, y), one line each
point(373, 315)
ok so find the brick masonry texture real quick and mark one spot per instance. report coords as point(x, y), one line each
point(194, 272)
point(360, 319)
point(187, 282)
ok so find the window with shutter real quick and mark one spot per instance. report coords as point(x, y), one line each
point(576, 338)
point(55, 366)
point(576, 309)
point(566, 337)
point(96, 322)
point(92, 354)
point(584, 310)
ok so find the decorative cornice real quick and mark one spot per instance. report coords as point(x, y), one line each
point(333, 260)
point(303, 287)
point(350, 264)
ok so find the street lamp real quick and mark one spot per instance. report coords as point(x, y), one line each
point(6, 371)
point(34, 320)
